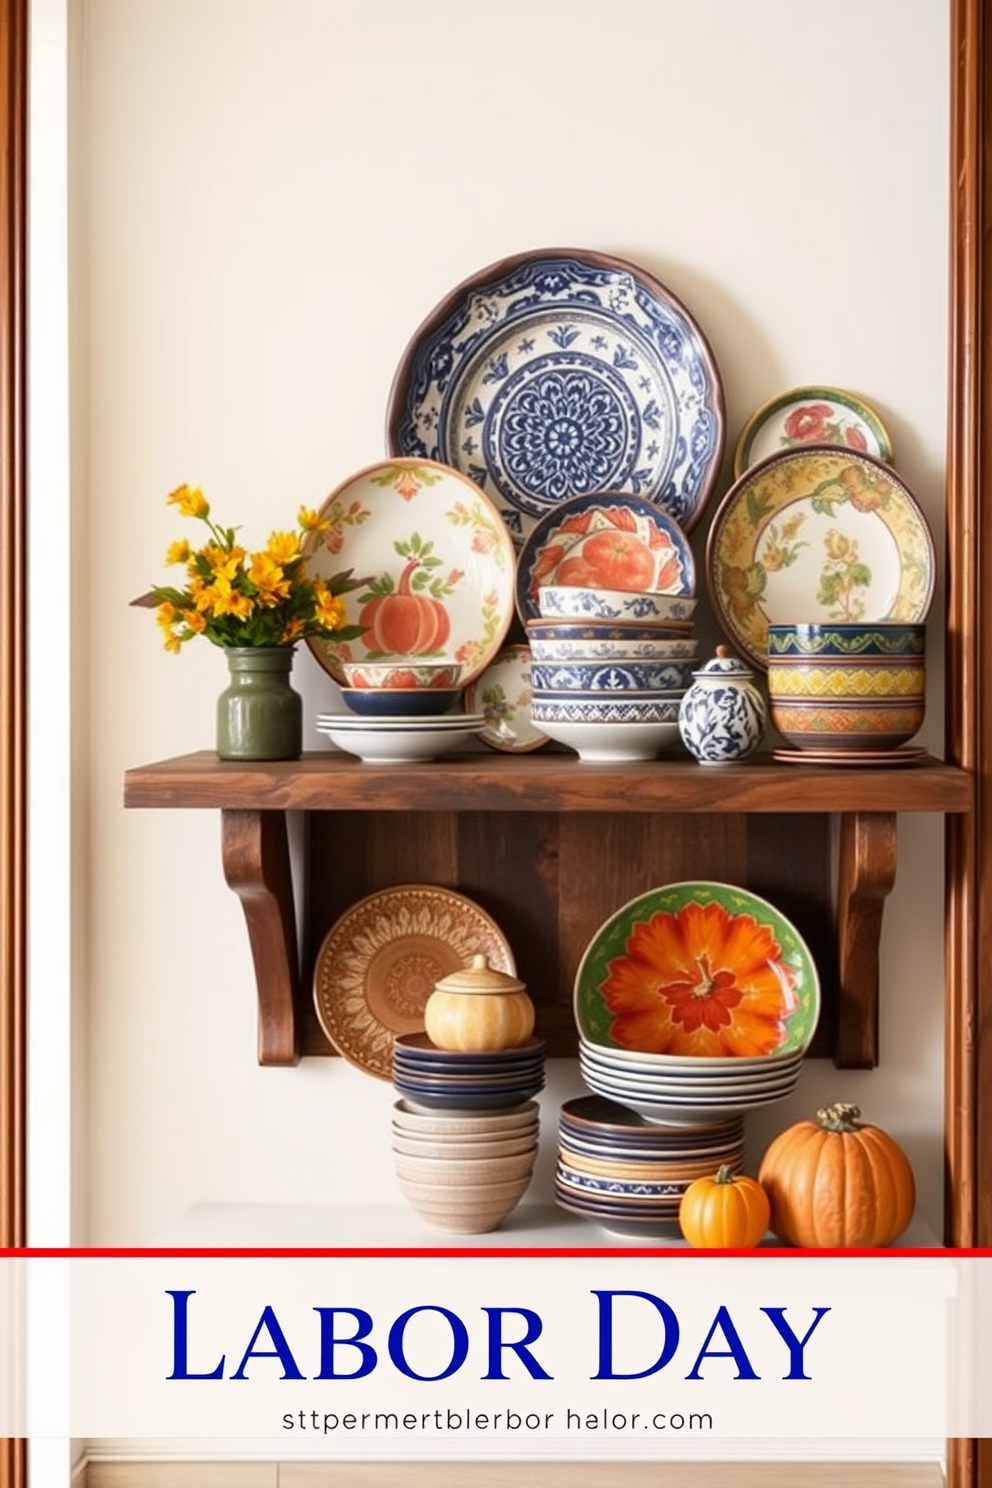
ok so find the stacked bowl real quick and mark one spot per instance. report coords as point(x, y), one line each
point(695, 1004)
point(450, 1079)
point(844, 689)
point(465, 1128)
point(609, 668)
point(628, 1174)
point(463, 1172)
point(400, 711)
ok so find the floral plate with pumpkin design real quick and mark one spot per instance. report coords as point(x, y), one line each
point(560, 372)
point(698, 969)
point(379, 962)
point(503, 695)
point(440, 564)
point(811, 415)
point(606, 541)
point(817, 534)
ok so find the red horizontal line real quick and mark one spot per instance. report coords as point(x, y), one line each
point(466, 1253)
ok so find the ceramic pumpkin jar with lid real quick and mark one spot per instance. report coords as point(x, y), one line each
point(478, 1009)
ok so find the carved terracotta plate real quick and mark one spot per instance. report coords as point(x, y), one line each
point(379, 962)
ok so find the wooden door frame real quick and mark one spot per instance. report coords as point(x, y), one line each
point(968, 938)
point(968, 1059)
point(13, 651)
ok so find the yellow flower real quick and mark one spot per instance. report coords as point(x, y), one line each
point(310, 520)
point(329, 609)
point(190, 501)
point(837, 545)
point(228, 601)
point(225, 563)
point(292, 631)
point(269, 580)
point(234, 597)
point(283, 547)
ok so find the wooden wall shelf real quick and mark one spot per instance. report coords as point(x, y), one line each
point(550, 846)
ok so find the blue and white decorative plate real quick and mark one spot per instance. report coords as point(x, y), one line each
point(607, 540)
point(560, 372)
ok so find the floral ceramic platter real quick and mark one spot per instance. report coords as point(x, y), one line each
point(817, 534)
point(440, 562)
point(698, 969)
point(503, 694)
point(605, 541)
point(561, 372)
point(379, 962)
point(811, 415)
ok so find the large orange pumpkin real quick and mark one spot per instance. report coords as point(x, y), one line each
point(724, 1212)
point(835, 1183)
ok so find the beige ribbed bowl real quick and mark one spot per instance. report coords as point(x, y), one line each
point(470, 1210)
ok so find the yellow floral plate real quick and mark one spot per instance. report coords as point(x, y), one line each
point(817, 534)
point(698, 969)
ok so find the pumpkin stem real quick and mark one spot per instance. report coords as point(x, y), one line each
point(839, 1118)
point(403, 586)
point(725, 1174)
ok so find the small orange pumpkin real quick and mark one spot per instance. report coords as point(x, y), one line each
point(724, 1212)
point(837, 1184)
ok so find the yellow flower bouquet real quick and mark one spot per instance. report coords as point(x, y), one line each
point(238, 598)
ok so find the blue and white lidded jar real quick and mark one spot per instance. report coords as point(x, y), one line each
point(722, 715)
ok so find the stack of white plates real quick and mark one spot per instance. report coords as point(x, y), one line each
point(674, 1090)
point(399, 739)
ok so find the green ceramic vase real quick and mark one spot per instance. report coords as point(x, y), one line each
point(259, 714)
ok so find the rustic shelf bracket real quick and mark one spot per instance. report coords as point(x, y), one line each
point(865, 876)
point(255, 850)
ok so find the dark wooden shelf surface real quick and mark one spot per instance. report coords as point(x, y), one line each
point(550, 845)
point(546, 781)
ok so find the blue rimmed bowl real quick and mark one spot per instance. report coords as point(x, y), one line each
point(575, 602)
point(611, 676)
point(624, 709)
point(400, 702)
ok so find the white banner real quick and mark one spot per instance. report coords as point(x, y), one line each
point(354, 1356)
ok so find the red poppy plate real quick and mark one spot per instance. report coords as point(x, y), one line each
point(812, 415)
point(817, 534)
point(698, 969)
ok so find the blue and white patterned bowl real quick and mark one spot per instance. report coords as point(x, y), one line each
point(612, 676)
point(539, 629)
point(598, 707)
point(546, 648)
point(575, 602)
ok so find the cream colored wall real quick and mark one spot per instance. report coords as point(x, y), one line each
point(276, 193)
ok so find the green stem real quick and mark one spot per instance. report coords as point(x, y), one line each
point(839, 1118)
